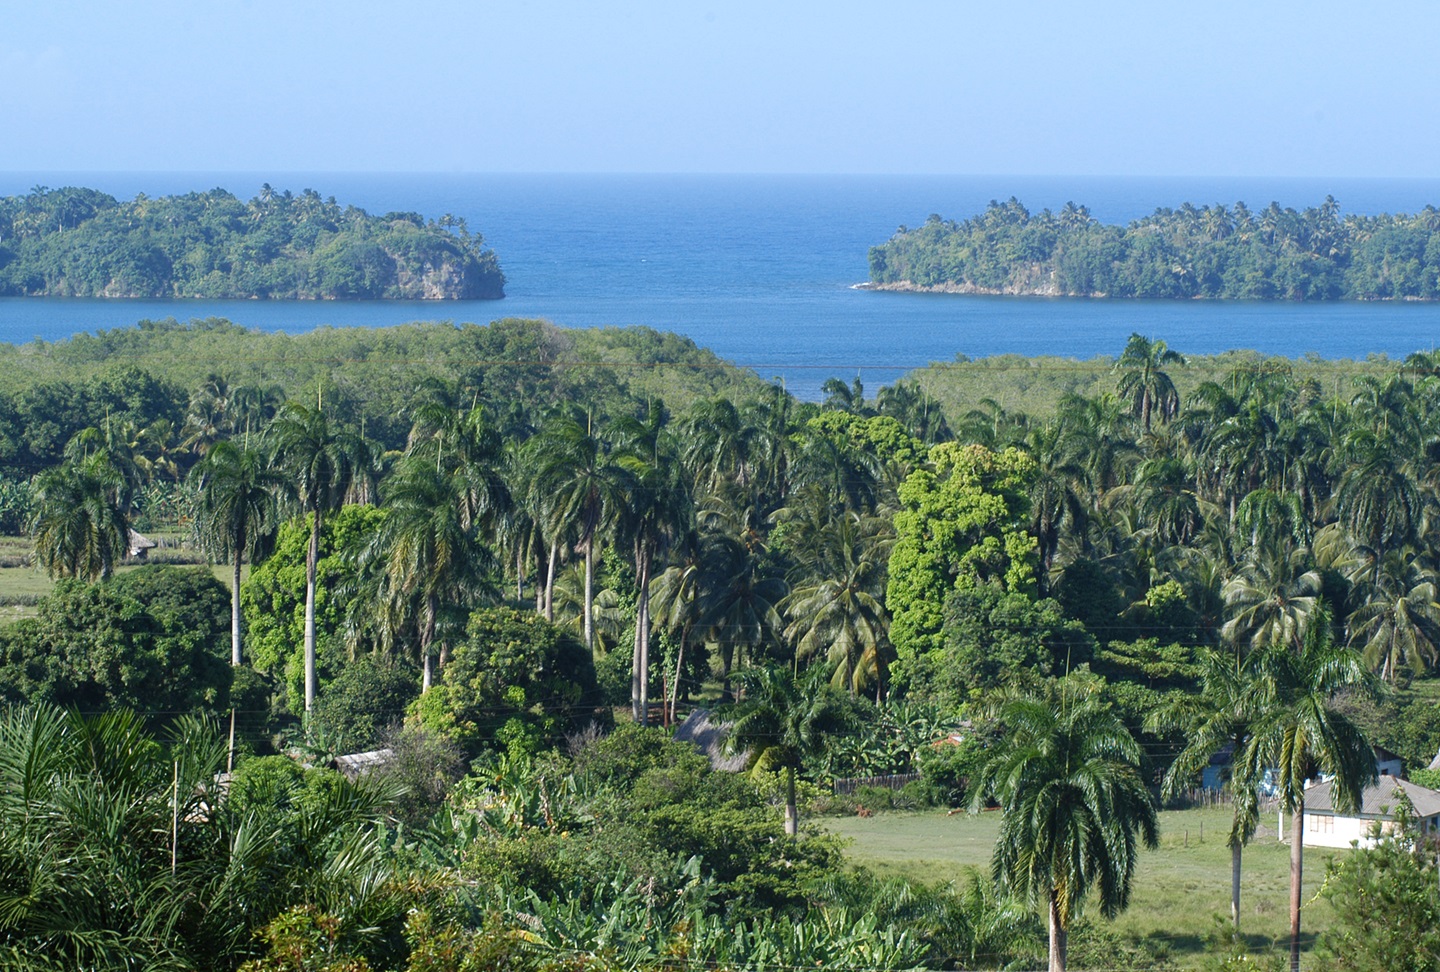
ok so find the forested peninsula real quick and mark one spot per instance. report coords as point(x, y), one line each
point(77, 242)
point(1210, 252)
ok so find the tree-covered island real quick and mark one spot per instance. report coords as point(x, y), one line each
point(1208, 252)
point(77, 242)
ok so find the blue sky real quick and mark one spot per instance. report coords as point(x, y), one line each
point(1013, 87)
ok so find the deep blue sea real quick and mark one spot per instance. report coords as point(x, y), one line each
point(760, 268)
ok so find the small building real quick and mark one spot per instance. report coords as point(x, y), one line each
point(708, 735)
point(356, 765)
point(1327, 827)
point(138, 546)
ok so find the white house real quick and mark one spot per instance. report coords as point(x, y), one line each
point(1327, 827)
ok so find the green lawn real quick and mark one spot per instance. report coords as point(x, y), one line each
point(1179, 890)
point(28, 583)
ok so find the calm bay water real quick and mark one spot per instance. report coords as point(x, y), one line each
point(760, 268)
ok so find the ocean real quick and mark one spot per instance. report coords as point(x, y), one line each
point(761, 268)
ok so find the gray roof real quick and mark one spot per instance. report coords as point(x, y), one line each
point(357, 764)
point(1378, 800)
point(709, 737)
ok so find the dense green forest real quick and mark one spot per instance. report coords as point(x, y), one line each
point(505, 553)
point(1206, 252)
point(77, 242)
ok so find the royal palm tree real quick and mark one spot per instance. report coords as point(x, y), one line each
point(238, 499)
point(323, 464)
point(80, 528)
point(782, 720)
point(1143, 381)
point(1222, 717)
point(1074, 808)
point(1300, 736)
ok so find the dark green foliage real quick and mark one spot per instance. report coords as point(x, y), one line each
point(1210, 252)
point(362, 702)
point(514, 669)
point(153, 639)
point(273, 598)
point(211, 245)
point(993, 637)
point(1387, 909)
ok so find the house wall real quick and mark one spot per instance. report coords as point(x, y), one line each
point(1338, 830)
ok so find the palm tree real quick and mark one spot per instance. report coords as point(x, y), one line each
point(323, 464)
point(238, 492)
point(429, 555)
point(1271, 598)
point(1399, 625)
point(80, 528)
point(1143, 382)
point(586, 489)
point(783, 720)
point(1221, 717)
point(839, 606)
point(1074, 808)
point(658, 509)
point(1300, 736)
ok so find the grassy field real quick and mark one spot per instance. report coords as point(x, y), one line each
point(1180, 890)
point(21, 586)
point(1036, 385)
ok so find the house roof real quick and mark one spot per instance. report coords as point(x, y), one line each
point(1378, 799)
point(357, 764)
point(139, 544)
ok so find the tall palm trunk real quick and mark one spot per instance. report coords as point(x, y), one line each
point(792, 809)
point(1297, 861)
point(679, 662)
point(427, 638)
point(312, 559)
point(589, 606)
point(1235, 850)
point(549, 611)
point(235, 610)
point(640, 670)
point(1058, 935)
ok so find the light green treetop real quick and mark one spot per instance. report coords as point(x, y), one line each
point(961, 525)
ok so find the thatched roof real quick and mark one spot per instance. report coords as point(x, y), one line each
point(709, 737)
point(139, 545)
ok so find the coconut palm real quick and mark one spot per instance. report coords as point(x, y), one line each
point(839, 605)
point(1143, 382)
point(586, 489)
point(1398, 626)
point(1271, 598)
point(659, 508)
point(323, 464)
point(429, 555)
point(80, 528)
point(238, 498)
point(782, 720)
point(1074, 808)
point(1300, 736)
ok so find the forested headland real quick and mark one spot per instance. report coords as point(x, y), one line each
point(1214, 252)
point(78, 242)
point(505, 553)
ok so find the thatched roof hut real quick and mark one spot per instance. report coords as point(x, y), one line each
point(708, 736)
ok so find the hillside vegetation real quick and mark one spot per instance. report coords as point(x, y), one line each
point(1209, 252)
point(77, 242)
